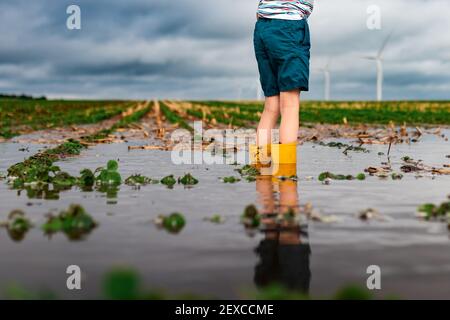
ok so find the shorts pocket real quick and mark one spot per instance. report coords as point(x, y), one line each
point(300, 30)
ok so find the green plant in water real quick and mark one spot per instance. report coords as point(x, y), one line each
point(432, 211)
point(173, 223)
point(87, 178)
point(40, 168)
point(251, 217)
point(122, 284)
point(169, 181)
point(230, 179)
point(188, 180)
point(16, 292)
point(139, 180)
point(75, 222)
point(109, 175)
point(328, 175)
point(396, 176)
point(70, 147)
point(325, 175)
point(125, 284)
point(345, 146)
point(361, 176)
point(278, 292)
point(429, 209)
point(353, 292)
point(248, 172)
point(17, 225)
point(64, 180)
point(31, 171)
point(47, 182)
point(217, 219)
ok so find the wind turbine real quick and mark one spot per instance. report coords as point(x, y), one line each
point(238, 85)
point(379, 61)
point(258, 89)
point(327, 80)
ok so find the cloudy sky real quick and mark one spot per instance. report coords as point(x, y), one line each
point(194, 49)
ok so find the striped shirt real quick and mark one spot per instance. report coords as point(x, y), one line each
point(288, 10)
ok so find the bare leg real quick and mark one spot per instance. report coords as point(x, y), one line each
point(289, 201)
point(289, 106)
point(265, 189)
point(268, 121)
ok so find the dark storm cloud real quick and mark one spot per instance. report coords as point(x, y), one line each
point(198, 49)
point(181, 69)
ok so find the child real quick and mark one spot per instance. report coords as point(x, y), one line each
point(282, 49)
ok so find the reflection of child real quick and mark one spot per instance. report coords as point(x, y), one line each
point(285, 264)
point(282, 48)
point(284, 259)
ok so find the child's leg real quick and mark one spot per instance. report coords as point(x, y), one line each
point(289, 107)
point(268, 121)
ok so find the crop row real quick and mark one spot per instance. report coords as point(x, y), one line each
point(17, 116)
point(40, 168)
point(399, 112)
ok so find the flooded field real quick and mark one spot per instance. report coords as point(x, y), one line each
point(224, 260)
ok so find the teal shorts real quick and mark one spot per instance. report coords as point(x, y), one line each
point(282, 49)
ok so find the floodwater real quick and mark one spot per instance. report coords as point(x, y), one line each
point(224, 260)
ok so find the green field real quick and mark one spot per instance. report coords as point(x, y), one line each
point(22, 115)
point(355, 112)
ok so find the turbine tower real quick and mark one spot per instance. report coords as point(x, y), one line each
point(238, 85)
point(258, 90)
point(327, 80)
point(379, 61)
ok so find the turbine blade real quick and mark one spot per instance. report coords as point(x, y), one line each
point(383, 46)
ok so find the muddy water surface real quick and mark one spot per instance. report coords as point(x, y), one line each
point(223, 260)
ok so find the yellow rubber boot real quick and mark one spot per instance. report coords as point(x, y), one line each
point(284, 153)
point(280, 171)
point(284, 159)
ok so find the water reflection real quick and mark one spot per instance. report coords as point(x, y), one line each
point(45, 191)
point(284, 252)
point(42, 191)
point(110, 191)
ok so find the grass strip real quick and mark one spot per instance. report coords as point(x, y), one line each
point(18, 115)
point(122, 123)
point(356, 112)
point(173, 117)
